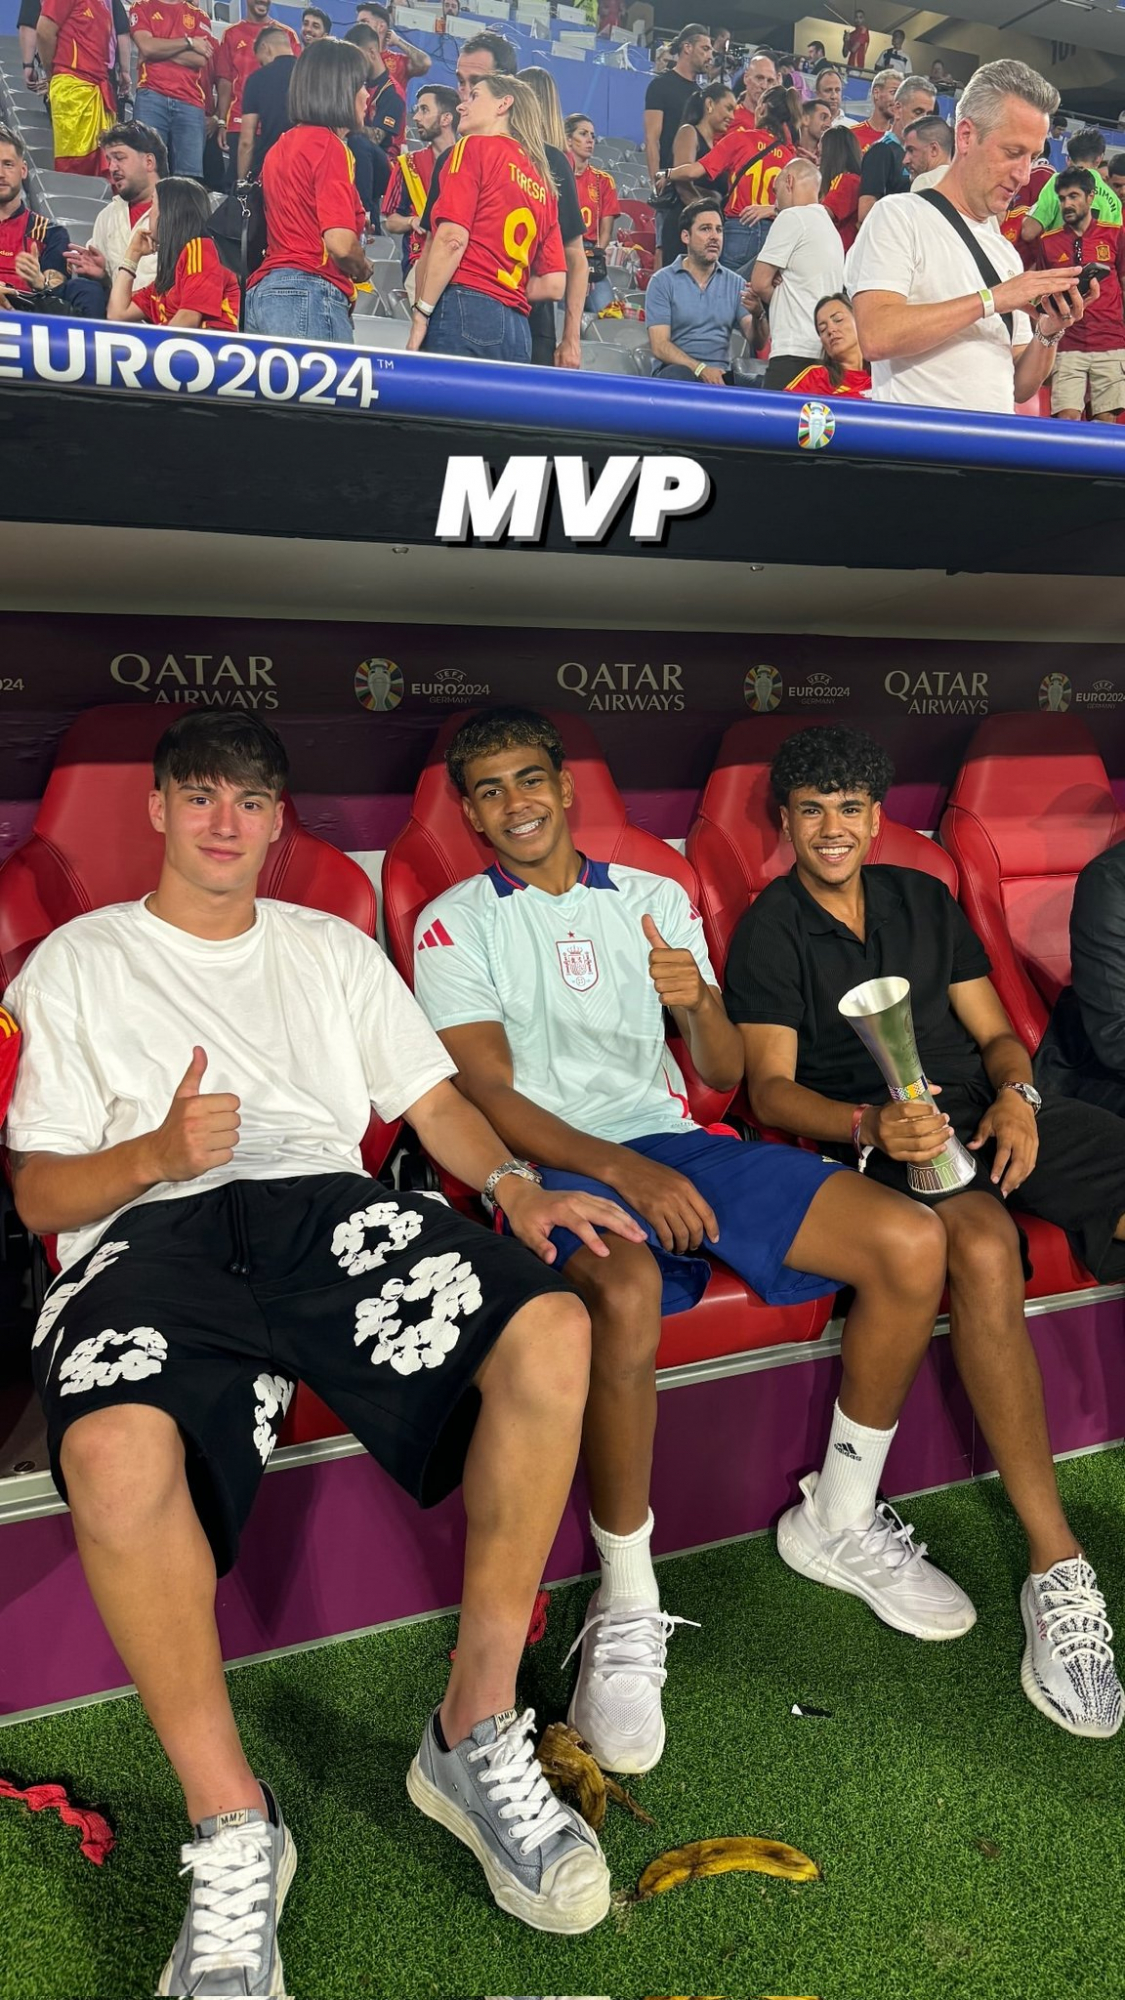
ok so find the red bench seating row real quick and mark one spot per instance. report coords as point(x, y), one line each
point(1017, 862)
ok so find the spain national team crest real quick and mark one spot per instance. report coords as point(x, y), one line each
point(577, 963)
point(816, 426)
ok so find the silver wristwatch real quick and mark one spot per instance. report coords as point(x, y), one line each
point(522, 1169)
point(1029, 1094)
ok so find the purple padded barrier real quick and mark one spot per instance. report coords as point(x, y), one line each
point(336, 1547)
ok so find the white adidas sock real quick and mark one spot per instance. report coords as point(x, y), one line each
point(628, 1576)
point(853, 1467)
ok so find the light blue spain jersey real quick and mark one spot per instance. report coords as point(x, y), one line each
point(567, 979)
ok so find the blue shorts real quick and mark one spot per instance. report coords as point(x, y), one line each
point(760, 1194)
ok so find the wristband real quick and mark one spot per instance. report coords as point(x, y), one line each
point(427, 312)
point(703, 365)
point(131, 268)
point(857, 1121)
point(988, 303)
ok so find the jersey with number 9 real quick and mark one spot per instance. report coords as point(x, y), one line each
point(490, 188)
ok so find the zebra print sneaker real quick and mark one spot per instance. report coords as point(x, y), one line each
point(1068, 1670)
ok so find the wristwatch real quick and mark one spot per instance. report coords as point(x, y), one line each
point(522, 1169)
point(1029, 1094)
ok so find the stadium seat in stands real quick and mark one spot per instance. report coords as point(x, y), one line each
point(735, 844)
point(378, 329)
point(1031, 804)
point(600, 358)
point(437, 847)
point(92, 845)
point(736, 848)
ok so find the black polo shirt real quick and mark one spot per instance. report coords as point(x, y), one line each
point(883, 171)
point(791, 963)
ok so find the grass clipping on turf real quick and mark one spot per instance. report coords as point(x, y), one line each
point(573, 1773)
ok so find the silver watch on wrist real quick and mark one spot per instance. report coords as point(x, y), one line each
point(522, 1169)
point(1029, 1094)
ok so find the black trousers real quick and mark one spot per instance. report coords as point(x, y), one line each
point(781, 369)
point(1078, 1180)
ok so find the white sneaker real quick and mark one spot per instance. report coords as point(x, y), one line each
point(1068, 1670)
point(615, 1706)
point(879, 1563)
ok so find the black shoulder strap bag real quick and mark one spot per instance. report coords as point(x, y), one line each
point(957, 221)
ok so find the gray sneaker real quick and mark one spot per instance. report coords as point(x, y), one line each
point(543, 1862)
point(241, 1866)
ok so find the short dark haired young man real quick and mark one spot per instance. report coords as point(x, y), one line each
point(829, 925)
point(265, 100)
point(547, 977)
point(198, 1072)
point(176, 49)
point(136, 160)
point(1083, 149)
point(315, 25)
point(1091, 358)
point(697, 303)
point(386, 104)
point(402, 59)
point(435, 121)
point(234, 63)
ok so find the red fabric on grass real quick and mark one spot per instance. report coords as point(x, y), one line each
point(97, 1836)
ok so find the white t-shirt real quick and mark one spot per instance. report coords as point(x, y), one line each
point(804, 242)
point(302, 1017)
point(567, 979)
point(907, 246)
point(112, 234)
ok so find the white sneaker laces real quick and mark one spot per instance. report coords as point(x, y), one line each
point(1074, 1617)
point(633, 1643)
point(880, 1539)
point(231, 1874)
point(513, 1775)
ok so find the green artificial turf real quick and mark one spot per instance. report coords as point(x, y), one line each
point(968, 1847)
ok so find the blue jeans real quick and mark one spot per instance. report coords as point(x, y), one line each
point(298, 306)
point(465, 322)
point(742, 243)
point(182, 128)
point(600, 295)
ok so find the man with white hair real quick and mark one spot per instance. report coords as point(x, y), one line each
point(941, 299)
point(801, 261)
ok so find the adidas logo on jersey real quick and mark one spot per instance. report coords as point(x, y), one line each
point(437, 934)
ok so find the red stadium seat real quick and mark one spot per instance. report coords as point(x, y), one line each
point(1030, 806)
point(437, 848)
point(92, 845)
point(736, 848)
point(736, 845)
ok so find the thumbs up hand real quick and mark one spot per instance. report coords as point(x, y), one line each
point(199, 1132)
point(675, 974)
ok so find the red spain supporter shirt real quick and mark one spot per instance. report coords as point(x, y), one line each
point(816, 381)
point(842, 203)
point(597, 198)
point(173, 21)
point(201, 284)
point(399, 67)
point(1101, 329)
point(1012, 223)
point(39, 236)
point(407, 190)
point(754, 188)
point(86, 39)
point(235, 59)
point(490, 188)
point(308, 184)
point(866, 135)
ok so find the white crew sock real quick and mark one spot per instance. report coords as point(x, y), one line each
point(628, 1576)
point(853, 1467)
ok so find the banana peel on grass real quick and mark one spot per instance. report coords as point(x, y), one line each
point(704, 1858)
point(571, 1771)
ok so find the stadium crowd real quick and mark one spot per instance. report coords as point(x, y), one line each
point(961, 269)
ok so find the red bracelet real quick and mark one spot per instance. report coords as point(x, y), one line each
point(857, 1121)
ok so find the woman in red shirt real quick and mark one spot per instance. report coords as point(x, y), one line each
point(495, 249)
point(752, 160)
point(840, 164)
point(315, 222)
point(597, 199)
point(192, 287)
point(842, 370)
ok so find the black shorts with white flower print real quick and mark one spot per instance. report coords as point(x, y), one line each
point(211, 1307)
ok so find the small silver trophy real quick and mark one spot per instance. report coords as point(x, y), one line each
point(879, 1011)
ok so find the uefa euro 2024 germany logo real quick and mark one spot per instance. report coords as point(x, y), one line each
point(378, 685)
